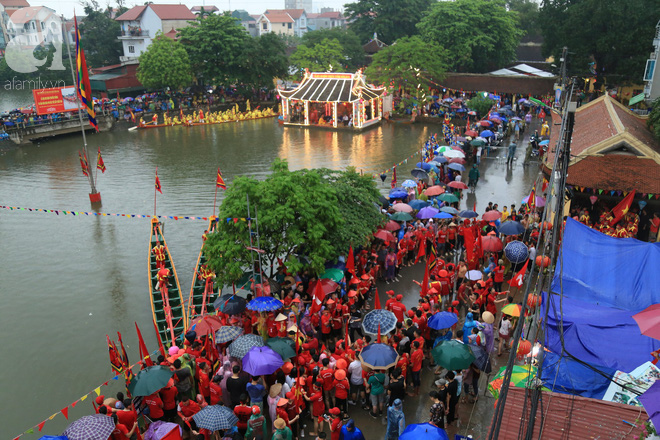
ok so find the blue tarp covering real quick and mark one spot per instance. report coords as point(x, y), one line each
point(598, 335)
point(613, 272)
point(565, 375)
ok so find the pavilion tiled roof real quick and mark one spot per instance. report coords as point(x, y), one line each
point(616, 172)
point(332, 87)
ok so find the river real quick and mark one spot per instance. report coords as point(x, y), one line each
point(67, 281)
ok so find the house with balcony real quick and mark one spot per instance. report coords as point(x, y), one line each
point(8, 7)
point(326, 20)
point(140, 24)
point(652, 72)
point(283, 22)
point(34, 26)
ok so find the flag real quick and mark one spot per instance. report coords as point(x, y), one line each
point(544, 186)
point(82, 83)
point(478, 246)
point(99, 162)
point(474, 208)
point(83, 164)
point(144, 353)
point(376, 300)
point(531, 200)
point(393, 177)
point(517, 281)
point(158, 187)
point(115, 360)
point(422, 250)
point(378, 338)
point(160, 342)
point(317, 298)
point(622, 208)
point(219, 181)
point(433, 255)
point(128, 373)
point(350, 263)
point(425, 282)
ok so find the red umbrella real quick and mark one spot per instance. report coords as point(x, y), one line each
point(327, 285)
point(491, 215)
point(392, 226)
point(434, 191)
point(490, 243)
point(384, 235)
point(457, 185)
point(648, 321)
point(485, 123)
point(471, 133)
point(457, 160)
point(205, 324)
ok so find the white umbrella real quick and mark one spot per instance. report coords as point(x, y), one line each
point(453, 153)
point(474, 275)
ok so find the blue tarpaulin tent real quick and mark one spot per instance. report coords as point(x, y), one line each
point(565, 375)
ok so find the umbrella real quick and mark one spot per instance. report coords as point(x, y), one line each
point(327, 286)
point(402, 207)
point(409, 184)
point(334, 274)
point(150, 380)
point(384, 200)
point(230, 304)
point(545, 142)
point(285, 347)
point(512, 309)
point(481, 358)
point(449, 198)
point(419, 173)
point(379, 356)
point(471, 133)
point(435, 190)
point(418, 204)
point(486, 133)
point(382, 317)
point(490, 243)
point(495, 119)
point(453, 355)
point(227, 333)
point(468, 214)
point(485, 123)
point(520, 377)
point(159, 430)
point(648, 321)
point(384, 235)
point(392, 226)
point(424, 165)
point(477, 143)
point(651, 401)
point(428, 212)
point(491, 215)
point(453, 153)
point(264, 304)
point(401, 217)
point(516, 252)
point(443, 215)
point(442, 320)
point(426, 431)
point(215, 418)
point(540, 201)
point(243, 344)
point(511, 228)
point(449, 209)
point(438, 160)
point(456, 167)
point(457, 160)
point(516, 118)
point(398, 194)
point(94, 427)
point(457, 185)
point(262, 361)
point(206, 324)
point(474, 275)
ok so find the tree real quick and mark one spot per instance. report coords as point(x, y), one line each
point(480, 103)
point(528, 16)
point(410, 63)
point(480, 35)
point(321, 57)
point(47, 77)
point(264, 58)
point(99, 31)
point(615, 34)
point(353, 53)
point(390, 19)
point(165, 63)
point(654, 119)
point(215, 45)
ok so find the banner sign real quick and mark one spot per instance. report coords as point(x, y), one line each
point(55, 100)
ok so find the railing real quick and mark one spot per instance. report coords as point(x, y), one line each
point(134, 33)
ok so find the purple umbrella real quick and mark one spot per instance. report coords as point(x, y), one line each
point(428, 212)
point(94, 427)
point(540, 201)
point(651, 401)
point(159, 430)
point(261, 361)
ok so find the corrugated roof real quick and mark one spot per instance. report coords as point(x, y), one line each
point(331, 87)
point(132, 14)
point(566, 417)
point(14, 3)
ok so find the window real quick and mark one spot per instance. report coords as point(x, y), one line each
point(289, 25)
point(42, 26)
point(265, 26)
point(283, 24)
point(650, 68)
point(33, 26)
point(131, 49)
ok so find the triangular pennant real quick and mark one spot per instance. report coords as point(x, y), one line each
point(52, 417)
point(41, 425)
point(65, 412)
point(82, 399)
point(625, 193)
point(30, 431)
point(650, 195)
point(600, 191)
point(73, 405)
point(656, 196)
point(97, 390)
point(612, 193)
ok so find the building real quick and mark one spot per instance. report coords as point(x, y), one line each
point(652, 89)
point(140, 24)
point(283, 21)
point(8, 7)
point(332, 100)
point(299, 4)
point(249, 22)
point(34, 26)
point(109, 81)
point(372, 47)
point(207, 9)
point(326, 20)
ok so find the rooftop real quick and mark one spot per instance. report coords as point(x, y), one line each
point(278, 16)
point(15, 3)
point(164, 12)
point(332, 87)
point(25, 15)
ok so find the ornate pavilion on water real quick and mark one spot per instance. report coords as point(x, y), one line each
point(332, 100)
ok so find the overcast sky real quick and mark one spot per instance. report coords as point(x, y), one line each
point(67, 7)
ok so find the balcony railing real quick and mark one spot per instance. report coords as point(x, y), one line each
point(134, 33)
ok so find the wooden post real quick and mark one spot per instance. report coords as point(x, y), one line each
point(334, 114)
point(306, 112)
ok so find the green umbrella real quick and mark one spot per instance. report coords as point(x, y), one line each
point(477, 143)
point(285, 347)
point(453, 355)
point(333, 274)
point(149, 380)
point(448, 197)
point(401, 217)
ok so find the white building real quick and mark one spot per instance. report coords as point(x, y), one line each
point(8, 7)
point(299, 4)
point(283, 21)
point(140, 24)
point(34, 26)
point(652, 88)
point(326, 20)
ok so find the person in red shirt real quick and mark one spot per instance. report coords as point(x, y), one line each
point(155, 404)
point(318, 407)
point(342, 388)
point(168, 396)
point(327, 375)
point(416, 359)
point(127, 416)
point(398, 308)
point(186, 410)
point(243, 412)
point(326, 326)
point(390, 300)
point(204, 381)
point(442, 239)
point(335, 423)
point(121, 432)
point(498, 275)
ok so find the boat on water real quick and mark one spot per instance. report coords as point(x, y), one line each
point(202, 296)
point(146, 125)
point(164, 289)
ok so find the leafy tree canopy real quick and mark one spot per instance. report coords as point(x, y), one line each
point(528, 16)
point(165, 63)
point(480, 35)
point(352, 50)
point(264, 58)
point(654, 119)
point(480, 104)
point(615, 34)
point(321, 57)
point(44, 74)
point(99, 33)
point(390, 19)
point(411, 63)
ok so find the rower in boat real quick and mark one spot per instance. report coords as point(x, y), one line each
point(159, 252)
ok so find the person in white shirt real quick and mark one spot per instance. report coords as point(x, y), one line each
point(356, 381)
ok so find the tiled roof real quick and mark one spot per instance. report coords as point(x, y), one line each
point(332, 87)
point(25, 15)
point(210, 8)
point(277, 16)
point(637, 127)
point(173, 12)
point(14, 3)
point(171, 34)
point(567, 417)
point(132, 14)
point(617, 172)
point(332, 14)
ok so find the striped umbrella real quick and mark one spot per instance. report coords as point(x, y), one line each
point(382, 317)
point(227, 333)
point(243, 344)
point(215, 418)
point(94, 427)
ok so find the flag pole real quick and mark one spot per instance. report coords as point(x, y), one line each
point(155, 195)
point(216, 195)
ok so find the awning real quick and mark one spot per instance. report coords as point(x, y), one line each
point(637, 98)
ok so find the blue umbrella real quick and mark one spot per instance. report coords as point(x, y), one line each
point(264, 304)
point(409, 184)
point(379, 356)
point(419, 173)
point(227, 333)
point(400, 194)
point(486, 133)
point(215, 418)
point(516, 252)
point(439, 160)
point(428, 212)
point(456, 166)
point(382, 317)
point(511, 228)
point(468, 214)
point(442, 320)
point(545, 142)
point(442, 214)
point(418, 204)
point(262, 361)
point(423, 165)
point(449, 210)
point(426, 431)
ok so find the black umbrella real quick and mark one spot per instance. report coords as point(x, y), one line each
point(419, 173)
point(230, 304)
point(481, 359)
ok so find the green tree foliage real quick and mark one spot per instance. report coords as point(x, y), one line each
point(47, 77)
point(528, 16)
point(264, 58)
point(411, 63)
point(321, 57)
point(216, 47)
point(165, 63)
point(480, 35)
point(616, 34)
point(654, 119)
point(351, 48)
point(480, 104)
point(99, 32)
point(390, 19)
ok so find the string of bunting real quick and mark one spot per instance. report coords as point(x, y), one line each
point(619, 193)
point(404, 161)
point(106, 214)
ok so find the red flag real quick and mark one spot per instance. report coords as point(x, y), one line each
point(378, 338)
point(478, 246)
point(160, 342)
point(346, 338)
point(99, 162)
point(545, 185)
point(115, 360)
point(474, 208)
point(83, 164)
point(422, 250)
point(425, 283)
point(376, 299)
point(531, 200)
point(622, 208)
point(158, 187)
point(393, 177)
point(317, 298)
point(144, 353)
point(128, 373)
point(219, 181)
point(41, 425)
point(517, 281)
point(65, 412)
point(350, 264)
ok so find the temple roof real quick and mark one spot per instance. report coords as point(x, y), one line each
point(333, 87)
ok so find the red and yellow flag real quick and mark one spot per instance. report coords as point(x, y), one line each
point(83, 164)
point(82, 82)
point(622, 208)
point(99, 162)
point(531, 200)
point(219, 181)
point(158, 187)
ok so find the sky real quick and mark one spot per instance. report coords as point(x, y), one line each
point(67, 7)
